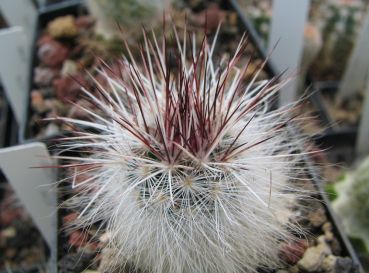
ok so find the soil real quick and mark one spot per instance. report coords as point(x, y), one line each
point(68, 48)
point(21, 245)
point(346, 113)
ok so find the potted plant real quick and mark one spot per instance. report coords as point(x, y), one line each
point(185, 168)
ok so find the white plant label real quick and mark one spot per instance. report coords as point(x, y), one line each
point(21, 13)
point(362, 147)
point(33, 186)
point(14, 70)
point(287, 34)
point(357, 70)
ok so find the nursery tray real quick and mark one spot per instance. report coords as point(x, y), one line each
point(328, 139)
point(45, 15)
point(341, 137)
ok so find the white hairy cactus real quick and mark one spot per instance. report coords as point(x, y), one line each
point(185, 167)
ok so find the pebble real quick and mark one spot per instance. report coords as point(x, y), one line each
point(52, 53)
point(343, 265)
point(38, 102)
point(105, 237)
point(8, 232)
point(51, 130)
point(84, 22)
point(293, 251)
point(327, 227)
point(69, 68)
point(212, 16)
point(328, 263)
point(43, 76)
point(70, 217)
point(317, 217)
point(314, 257)
point(77, 239)
point(63, 27)
point(68, 88)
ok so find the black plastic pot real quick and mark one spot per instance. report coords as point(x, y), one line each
point(331, 138)
point(341, 137)
point(45, 15)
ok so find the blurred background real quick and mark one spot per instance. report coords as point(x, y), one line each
point(324, 43)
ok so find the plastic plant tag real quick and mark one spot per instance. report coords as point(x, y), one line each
point(14, 70)
point(32, 186)
point(287, 34)
point(21, 13)
point(362, 147)
point(357, 70)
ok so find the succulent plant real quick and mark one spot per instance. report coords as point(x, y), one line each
point(130, 15)
point(352, 203)
point(186, 168)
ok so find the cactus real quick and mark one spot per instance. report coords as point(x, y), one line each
point(352, 203)
point(130, 15)
point(185, 168)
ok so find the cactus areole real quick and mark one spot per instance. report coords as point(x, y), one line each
point(183, 163)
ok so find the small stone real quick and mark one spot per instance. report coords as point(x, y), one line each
point(292, 252)
point(105, 237)
point(9, 232)
point(329, 236)
point(69, 68)
point(38, 102)
point(52, 53)
point(343, 265)
point(77, 239)
point(62, 27)
point(317, 217)
point(327, 226)
point(329, 263)
point(212, 16)
point(70, 217)
point(44, 76)
point(68, 88)
point(313, 258)
point(84, 22)
point(233, 18)
point(51, 130)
